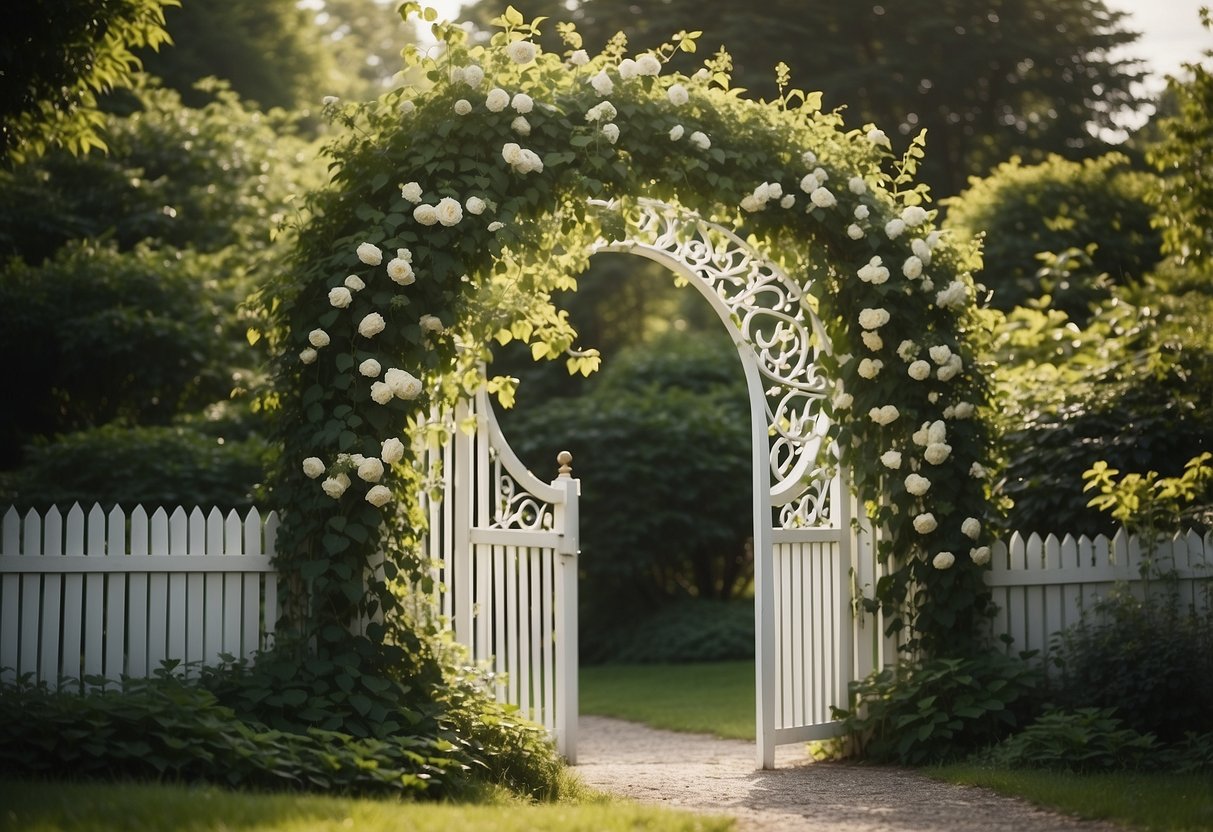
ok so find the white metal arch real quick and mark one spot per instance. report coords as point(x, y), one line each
point(803, 558)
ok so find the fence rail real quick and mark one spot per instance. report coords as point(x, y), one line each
point(108, 595)
point(1043, 585)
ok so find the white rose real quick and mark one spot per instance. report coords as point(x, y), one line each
point(403, 384)
point(894, 228)
point(751, 203)
point(329, 100)
point(980, 555)
point(873, 272)
point(891, 459)
point(808, 157)
point(335, 486)
point(579, 58)
point(822, 198)
point(449, 211)
point(912, 267)
point(602, 111)
point(948, 371)
point(522, 103)
point(647, 64)
point(788, 201)
point(407, 107)
point(370, 470)
point(678, 95)
point(370, 254)
point(933, 396)
point(914, 215)
point(400, 271)
point(529, 162)
point(475, 205)
point(906, 350)
point(937, 452)
point(854, 232)
point(955, 295)
point(943, 560)
point(312, 467)
point(371, 325)
point(411, 191)
point(521, 51)
point(872, 340)
point(457, 75)
point(496, 226)
point(611, 132)
point(886, 415)
point(940, 354)
point(937, 431)
point(497, 100)
point(378, 496)
point(870, 367)
point(873, 318)
point(628, 69)
point(463, 107)
point(925, 523)
point(318, 338)
point(473, 75)
point(430, 323)
point(511, 153)
point(425, 214)
point(700, 140)
point(964, 410)
point(933, 238)
point(676, 132)
point(919, 370)
point(861, 212)
point(354, 283)
point(521, 126)
point(878, 138)
point(971, 527)
point(921, 250)
point(602, 83)
point(917, 485)
point(843, 401)
point(922, 436)
point(381, 393)
point(370, 368)
point(340, 297)
point(977, 471)
point(308, 355)
point(393, 451)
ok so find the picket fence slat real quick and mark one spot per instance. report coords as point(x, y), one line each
point(107, 594)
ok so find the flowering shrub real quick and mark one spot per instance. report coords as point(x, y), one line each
point(480, 183)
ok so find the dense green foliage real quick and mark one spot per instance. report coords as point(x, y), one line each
point(1055, 206)
point(986, 82)
point(940, 709)
point(690, 630)
point(165, 728)
point(58, 57)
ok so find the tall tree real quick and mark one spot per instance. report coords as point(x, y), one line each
point(56, 57)
point(987, 78)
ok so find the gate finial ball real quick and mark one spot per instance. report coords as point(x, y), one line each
point(565, 459)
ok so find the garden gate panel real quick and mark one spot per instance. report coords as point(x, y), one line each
point(505, 544)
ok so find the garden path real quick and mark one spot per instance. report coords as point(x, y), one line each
point(705, 774)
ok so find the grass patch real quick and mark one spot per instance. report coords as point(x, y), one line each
point(712, 698)
point(1149, 801)
point(106, 807)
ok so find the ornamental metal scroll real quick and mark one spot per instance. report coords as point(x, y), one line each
point(772, 316)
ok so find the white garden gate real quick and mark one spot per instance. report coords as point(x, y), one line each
point(504, 544)
point(809, 557)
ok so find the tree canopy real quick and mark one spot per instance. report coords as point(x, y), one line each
point(987, 78)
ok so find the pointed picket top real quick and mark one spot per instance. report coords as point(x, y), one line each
point(74, 543)
point(1035, 551)
point(117, 532)
point(1198, 554)
point(179, 532)
point(95, 535)
point(214, 531)
point(233, 534)
point(1069, 553)
point(998, 555)
point(31, 534)
point(139, 532)
point(1086, 551)
point(1118, 547)
point(10, 541)
point(271, 533)
point(252, 532)
point(197, 545)
point(1052, 553)
point(52, 533)
point(1017, 547)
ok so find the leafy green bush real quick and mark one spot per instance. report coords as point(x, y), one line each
point(689, 630)
point(149, 466)
point(1051, 207)
point(1150, 659)
point(940, 709)
point(1086, 739)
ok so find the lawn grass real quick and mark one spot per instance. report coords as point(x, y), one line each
point(715, 698)
point(1156, 801)
point(110, 807)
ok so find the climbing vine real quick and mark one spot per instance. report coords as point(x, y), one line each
point(457, 206)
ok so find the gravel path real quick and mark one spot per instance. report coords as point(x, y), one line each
point(705, 774)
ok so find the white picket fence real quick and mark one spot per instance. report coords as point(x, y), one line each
point(107, 595)
point(1042, 585)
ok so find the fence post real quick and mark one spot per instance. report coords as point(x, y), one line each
point(568, 525)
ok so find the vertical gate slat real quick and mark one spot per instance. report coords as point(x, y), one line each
point(549, 659)
point(525, 636)
point(212, 592)
point(115, 592)
point(158, 594)
point(195, 591)
point(73, 601)
point(270, 614)
point(137, 623)
point(31, 598)
point(536, 636)
point(513, 666)
point(802, 614)
point(500, 650)
point(178, 589)
point(94, 596)
point(1054, 614)
point(233, 605)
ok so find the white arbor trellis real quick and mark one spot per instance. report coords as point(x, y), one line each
point(804, 544)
